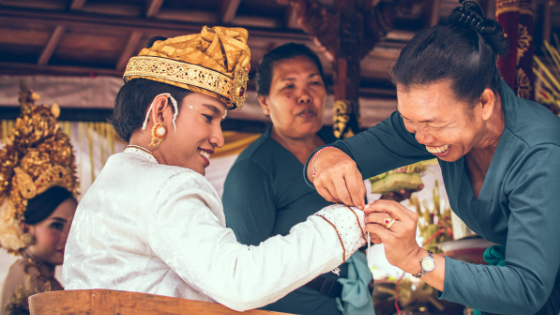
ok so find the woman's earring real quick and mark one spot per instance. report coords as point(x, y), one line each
point(28, 239)
point(159, 131)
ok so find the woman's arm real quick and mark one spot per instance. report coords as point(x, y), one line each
point(249, 203)
point(532, 260)
point(339, 172)
point(188, 237)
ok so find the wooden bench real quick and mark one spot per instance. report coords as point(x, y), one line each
point(97, 302)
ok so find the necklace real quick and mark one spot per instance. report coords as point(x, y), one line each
point(141, 149)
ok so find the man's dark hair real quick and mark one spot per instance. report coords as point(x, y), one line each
point(135, 96)
point(133, 100)
point(286, 51)
point(463, 52)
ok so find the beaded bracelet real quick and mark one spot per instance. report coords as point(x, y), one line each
point(315, 156)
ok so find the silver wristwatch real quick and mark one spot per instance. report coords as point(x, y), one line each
point(427, 264)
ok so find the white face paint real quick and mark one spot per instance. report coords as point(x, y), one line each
point(175, 108)
point(225, 114)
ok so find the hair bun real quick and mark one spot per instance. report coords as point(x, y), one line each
point(470, 14)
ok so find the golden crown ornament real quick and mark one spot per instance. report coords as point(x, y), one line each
point(36, 156)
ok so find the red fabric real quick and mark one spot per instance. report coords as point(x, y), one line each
point(516, 67)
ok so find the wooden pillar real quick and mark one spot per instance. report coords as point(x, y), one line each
point(350, 31)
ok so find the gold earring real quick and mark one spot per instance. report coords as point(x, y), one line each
point(28, 239)
point(159, 131)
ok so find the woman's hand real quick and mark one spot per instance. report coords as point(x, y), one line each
point(337, 178)
point(399, 237)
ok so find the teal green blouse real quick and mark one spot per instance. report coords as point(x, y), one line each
point(518, 205)
point(265, 195)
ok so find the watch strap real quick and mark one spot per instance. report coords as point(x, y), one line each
point(423, 271)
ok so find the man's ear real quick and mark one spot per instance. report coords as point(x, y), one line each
point(160, 104)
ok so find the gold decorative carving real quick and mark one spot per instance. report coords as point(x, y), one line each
point(181, 73)
point(523, 85)
point(523, 42)
point(344, 112)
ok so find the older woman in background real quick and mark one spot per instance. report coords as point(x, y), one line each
point(264, 192)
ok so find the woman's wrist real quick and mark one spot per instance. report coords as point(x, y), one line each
point(412, 264)
point(313, 171)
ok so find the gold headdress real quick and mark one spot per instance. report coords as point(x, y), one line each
point(215, 62)
point(36, 156)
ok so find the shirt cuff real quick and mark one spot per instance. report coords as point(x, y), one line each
point(449, 292)
point(349, 224)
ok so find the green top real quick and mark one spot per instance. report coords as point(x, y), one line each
point(264, 196)
point(518, 205)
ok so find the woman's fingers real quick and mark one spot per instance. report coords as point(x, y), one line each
point(393, 208)
point(379, 218)
point(380, 231)
point(342, 192)
point(356, 187)
point(337, 177)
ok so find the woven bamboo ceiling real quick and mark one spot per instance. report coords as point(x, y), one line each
point(96, 37)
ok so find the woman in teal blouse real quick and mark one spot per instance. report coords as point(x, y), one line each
point(264, 193)
point(500, 158)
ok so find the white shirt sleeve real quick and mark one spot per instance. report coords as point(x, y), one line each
point(187, 235)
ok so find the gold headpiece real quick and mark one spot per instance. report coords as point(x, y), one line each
point(215, 62)
point(36, 156)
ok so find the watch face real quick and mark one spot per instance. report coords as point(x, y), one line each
point(428, 264)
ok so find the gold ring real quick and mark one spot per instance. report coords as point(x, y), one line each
point(388, 222)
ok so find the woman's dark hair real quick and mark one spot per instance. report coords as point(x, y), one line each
point(133, 100)
point(465, 50)
point(286, 51)
point(43, 205)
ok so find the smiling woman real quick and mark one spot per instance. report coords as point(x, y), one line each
point(499, 155)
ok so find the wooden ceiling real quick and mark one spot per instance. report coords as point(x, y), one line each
point(97, 37)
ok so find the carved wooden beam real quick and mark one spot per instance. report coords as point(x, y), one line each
point(129, 49)
point(77, 4)
point(228, 10)
point(291, 17)
point(153, 7)
point(150, 27)
point(431, 12)
point(51, 45)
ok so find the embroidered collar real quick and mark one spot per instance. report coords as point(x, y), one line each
point(138, 150)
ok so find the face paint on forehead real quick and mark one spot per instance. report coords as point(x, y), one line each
point(223, 117)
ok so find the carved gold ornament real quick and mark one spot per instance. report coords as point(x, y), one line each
point(186, 75)
point(523, 42)
point(345, 111)
point(523, 84)
point(36, 156)
point(214, 62)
